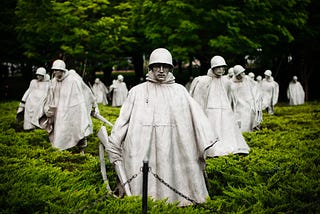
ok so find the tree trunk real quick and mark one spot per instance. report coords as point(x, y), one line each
point(137, 59)
point(204, 64)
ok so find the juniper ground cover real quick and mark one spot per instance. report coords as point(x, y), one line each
point(280, 175)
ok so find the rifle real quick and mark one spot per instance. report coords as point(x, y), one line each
point(122, 177)
point(104, 120)
point(103, 136)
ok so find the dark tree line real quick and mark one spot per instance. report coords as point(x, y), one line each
point(91, 35)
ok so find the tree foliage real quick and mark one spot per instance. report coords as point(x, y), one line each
point(78, 29)
point(10, 48)
point(104, 27)
point(100, 31)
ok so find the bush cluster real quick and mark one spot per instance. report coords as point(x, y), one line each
point(280, 175)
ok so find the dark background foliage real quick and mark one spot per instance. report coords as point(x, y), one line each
point(96, 36)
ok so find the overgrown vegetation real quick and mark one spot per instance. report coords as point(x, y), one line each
point(280, 175)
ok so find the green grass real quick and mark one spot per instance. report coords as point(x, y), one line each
point(280, 175)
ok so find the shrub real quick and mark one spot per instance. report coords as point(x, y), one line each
point(280, 175)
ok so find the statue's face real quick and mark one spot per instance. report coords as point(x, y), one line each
point(160, 71)
point(40, 77)
point(58, 74)
point(240, 76)
point(218, 71)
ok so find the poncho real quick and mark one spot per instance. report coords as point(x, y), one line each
point(34, 99)
point(270, 93)
point(295, 93)
point(161, 123)
point(119, 94)
point(100, 92)
point(214, 96)
point(73, 101)
point(246, 102)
